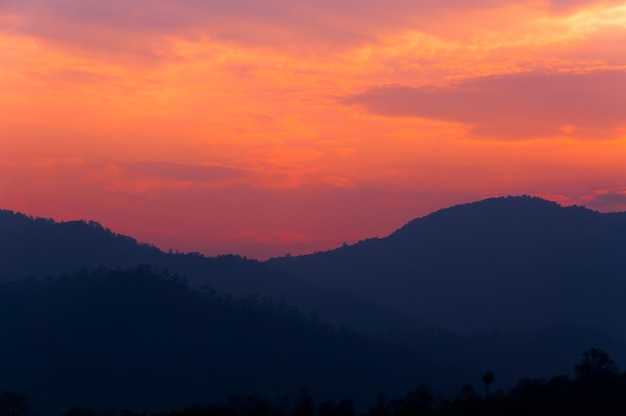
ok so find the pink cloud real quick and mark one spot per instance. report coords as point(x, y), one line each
point(606, 200)
point(68, 77)
point(183, 172)
point(278, 22)
point(518, 106)
point(566, 6)
point(607, 45)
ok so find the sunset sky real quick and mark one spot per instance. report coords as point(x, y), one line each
point(266, 127)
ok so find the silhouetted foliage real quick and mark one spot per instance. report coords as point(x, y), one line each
point(468, 392)
point(419, 401)
point(488, 378)
point(13, 404)
point(537, 397)
point(595, 361)
point(304, 405)
point(141, 338)
point(77, 411)
point(252, 405)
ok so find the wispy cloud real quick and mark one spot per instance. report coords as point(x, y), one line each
point(277, 22)
point(612, 200)
point(518, 106)
point(182, 172)
point(67, 77)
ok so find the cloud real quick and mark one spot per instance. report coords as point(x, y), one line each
point(607, 45)
point(612, 198)
point(566, 6)
point(181, 172)
point(275, 22)
point(175, 15)
point(607, 200)
point(65, 77)
point(517, 106)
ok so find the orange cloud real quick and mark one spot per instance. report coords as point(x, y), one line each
point(527, 105)
point(134, 28)
point(182, 172)
point(238, 108)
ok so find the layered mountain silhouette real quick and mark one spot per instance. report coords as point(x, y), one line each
point(140, 339)
point(518, 285)
point(143, 340)
point(38, 247)
point(512, 263)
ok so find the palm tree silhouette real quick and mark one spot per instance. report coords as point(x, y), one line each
point(488, 378)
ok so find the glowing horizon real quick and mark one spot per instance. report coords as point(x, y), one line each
point(296, 126)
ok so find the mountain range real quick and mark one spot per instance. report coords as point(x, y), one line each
point(511, 264)
point(39, 247)
point(141, 339)
point(519, 285)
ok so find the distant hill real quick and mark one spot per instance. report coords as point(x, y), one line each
point(140, 340)
point(38, 247)
point(125, 335)
point(513, 263)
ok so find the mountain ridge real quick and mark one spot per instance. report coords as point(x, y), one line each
point(63, 247)
point(532, 260)
point(451, 291)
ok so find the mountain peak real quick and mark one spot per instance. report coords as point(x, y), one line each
point(507, 210)
point(497, 263)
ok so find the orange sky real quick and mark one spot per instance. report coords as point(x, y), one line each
point(291, 126)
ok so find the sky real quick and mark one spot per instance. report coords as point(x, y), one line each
point(288, 126)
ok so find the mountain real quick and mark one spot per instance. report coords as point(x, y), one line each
point(126, 335)
point(513, 264)
point(38, 247)
point(143, 340)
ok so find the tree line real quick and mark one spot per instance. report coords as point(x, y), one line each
point(597, 388)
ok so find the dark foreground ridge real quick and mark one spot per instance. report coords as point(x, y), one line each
point(598, 388)
point(141, 339)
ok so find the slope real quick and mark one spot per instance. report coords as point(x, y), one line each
point(40, 247)
point(512, 263)
point(138, 339)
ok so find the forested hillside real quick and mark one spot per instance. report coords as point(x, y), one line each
point(140, 339)
point(513, 264)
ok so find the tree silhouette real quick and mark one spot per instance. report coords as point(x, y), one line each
point(13, 404)
point(488, 378)
point(304, 405)
point(595, 361)
point(467, 392)
point(419, 401)
point(345, 408)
